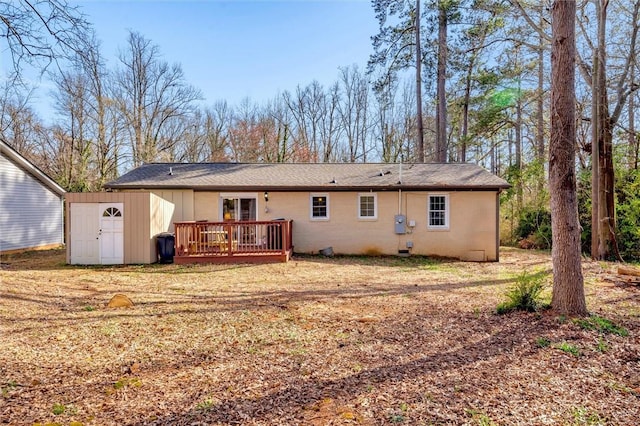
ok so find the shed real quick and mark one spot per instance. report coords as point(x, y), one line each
point(115, 227)
point(31, 213)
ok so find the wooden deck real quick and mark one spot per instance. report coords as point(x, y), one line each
point(233, 242)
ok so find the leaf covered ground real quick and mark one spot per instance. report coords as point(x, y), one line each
point(316, 341)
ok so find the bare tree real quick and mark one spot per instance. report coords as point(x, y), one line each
point(418, 59)
point(193, 146)
point(330, 128)
point(307, 107)
point(154, 99)
point(611, 85)
point(73, 132)
point(568, 288)
point(634, 136)
point(19, 125)
point(278, 111)
point(603, 82)
point(39, 32)
point(270, 134)
point(217, 125)
point(245, 133)
point(354, 112)
point(104, 120)
point(397, 46)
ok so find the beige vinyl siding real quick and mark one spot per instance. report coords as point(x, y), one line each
point(161, 214)
point(183, 202)
point(206, 206)
point(31, 214)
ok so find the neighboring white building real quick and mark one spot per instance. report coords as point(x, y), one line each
point(31, 205)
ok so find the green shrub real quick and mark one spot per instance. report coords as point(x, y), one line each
point(628, 214)
point(568, 348)
point(584, 416)
point(602, 325)
point(627, 192)
point(524, 295)
point(543, 342)
point(534, 229)
point(602, 346)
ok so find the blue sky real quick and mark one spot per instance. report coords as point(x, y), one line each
point(247, 48)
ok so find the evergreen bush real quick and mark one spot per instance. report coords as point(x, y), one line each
point(525, 294)
point(534, 229)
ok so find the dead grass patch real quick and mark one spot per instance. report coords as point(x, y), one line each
point(316, 341)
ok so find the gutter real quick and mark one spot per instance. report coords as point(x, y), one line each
point(325, 188)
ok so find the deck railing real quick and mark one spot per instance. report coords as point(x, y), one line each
point(220, 241)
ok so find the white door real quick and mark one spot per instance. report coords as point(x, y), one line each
point(85, 234)
point(111, 234)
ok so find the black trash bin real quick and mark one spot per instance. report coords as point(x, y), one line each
point(166, 247)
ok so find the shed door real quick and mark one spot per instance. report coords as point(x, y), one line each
point(85, 233)
point(97, 233)
point(111, 234)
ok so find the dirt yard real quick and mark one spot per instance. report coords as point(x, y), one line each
point(315, 341)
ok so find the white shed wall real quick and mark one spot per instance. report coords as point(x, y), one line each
point(30, 214)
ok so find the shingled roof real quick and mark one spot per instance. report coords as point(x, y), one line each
point(308, 177)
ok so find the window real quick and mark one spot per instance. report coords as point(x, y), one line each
point(111, 212)
point(367, 206)
point(438, 212)
point(319, 206)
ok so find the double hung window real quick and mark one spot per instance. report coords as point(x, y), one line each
point(319, 206)
point(438, 211)
point(367, 206)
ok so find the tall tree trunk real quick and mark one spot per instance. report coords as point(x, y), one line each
point(605, 142)
point(540, 103)
point(518, 146)
point(540, 100)
point(420, 124)
point(595, 162)
point(441, 114)
point(568, 287)
point(633, 137)
point(462, 147)
point(603, 148)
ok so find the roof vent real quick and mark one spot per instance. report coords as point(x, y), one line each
point(170, 171)
point(333, 180)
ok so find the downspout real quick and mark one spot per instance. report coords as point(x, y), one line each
point(64, 221)
point(498, 225)
point(398, 235)
point(399, 189)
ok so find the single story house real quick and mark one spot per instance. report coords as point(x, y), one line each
point(31, 205)
point(448, 210)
